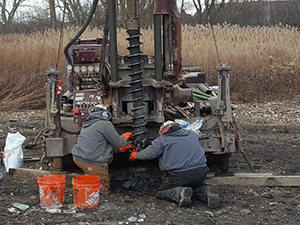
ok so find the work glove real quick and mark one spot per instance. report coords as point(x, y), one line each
point(128, 135)
point(126, 148)
point(133, 155)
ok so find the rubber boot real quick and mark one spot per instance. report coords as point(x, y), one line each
point(208, 195)
point(181, 195)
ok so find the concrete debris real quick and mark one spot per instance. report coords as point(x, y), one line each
point(245, 211)
point(20, 206)
point(53, 210)
point(132, 219)
point(110, 206)
point(12, 210)
point(273, 203)
point(139, 219)
point(142, 216)
point(69, 211)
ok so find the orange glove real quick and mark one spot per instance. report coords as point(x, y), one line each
point(133, 155)
point(126, 148)
point(127, 135)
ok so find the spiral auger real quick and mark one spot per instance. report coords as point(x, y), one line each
point(135, 57)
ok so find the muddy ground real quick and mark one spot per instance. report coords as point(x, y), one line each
point(270, 134)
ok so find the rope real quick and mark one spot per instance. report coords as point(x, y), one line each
point(61, 33)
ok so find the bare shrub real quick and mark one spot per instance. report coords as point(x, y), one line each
point(264, 60)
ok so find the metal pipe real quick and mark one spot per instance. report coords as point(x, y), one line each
point(204, 97)
point(66, 96)
point(158, 52)
point(191, 69)
point(104, 46)
point(112, 23)
point(170, 38)
point(204, 89)
point(245, 157)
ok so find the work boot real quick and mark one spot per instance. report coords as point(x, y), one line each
point(185, 196)
point(213, 200)
point(181, 195)
point(208, 195)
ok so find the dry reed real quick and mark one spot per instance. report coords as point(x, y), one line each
point(264, 60)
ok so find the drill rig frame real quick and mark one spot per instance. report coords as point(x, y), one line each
point(142, 91)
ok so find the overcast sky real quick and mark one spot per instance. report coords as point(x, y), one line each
point(35, 3)
point(42, 3)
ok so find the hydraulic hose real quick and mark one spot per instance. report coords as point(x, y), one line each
point(83, 28)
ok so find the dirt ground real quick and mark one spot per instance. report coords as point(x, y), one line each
point(270, 134)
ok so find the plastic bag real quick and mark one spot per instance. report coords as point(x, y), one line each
point(195, 126)
point(13, 152)
point(184, 124)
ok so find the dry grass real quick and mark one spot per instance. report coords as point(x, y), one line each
point(264, 60)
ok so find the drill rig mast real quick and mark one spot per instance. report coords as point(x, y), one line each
point(135, 59)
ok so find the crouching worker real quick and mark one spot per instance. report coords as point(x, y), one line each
point(97, 141)
point(184, 163)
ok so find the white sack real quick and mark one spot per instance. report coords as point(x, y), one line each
point(13, 153)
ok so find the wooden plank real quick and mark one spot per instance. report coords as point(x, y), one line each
point(254, 179)
point(238, 179)
point(33, 173)
point(93, 223)
point(27, 173)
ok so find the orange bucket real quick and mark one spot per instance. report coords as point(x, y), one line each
point(86, 191)
point(52, 190)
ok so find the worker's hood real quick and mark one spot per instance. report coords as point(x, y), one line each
point(96, 116)
point(176, 130)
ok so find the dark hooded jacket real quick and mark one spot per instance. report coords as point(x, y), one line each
point(97, 140)
point(178, 150)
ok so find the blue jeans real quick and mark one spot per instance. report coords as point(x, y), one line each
point(173, 182)
point(191, 178)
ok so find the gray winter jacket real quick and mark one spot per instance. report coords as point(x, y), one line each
point(177, 151)
point(97, 141)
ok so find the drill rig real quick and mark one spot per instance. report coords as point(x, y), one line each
point(141, 91)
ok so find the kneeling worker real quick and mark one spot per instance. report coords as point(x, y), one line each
point(97, 141)
point(184, 163)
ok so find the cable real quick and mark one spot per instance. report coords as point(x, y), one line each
point(61, 33)
point(214, 38)
point(87, 22)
